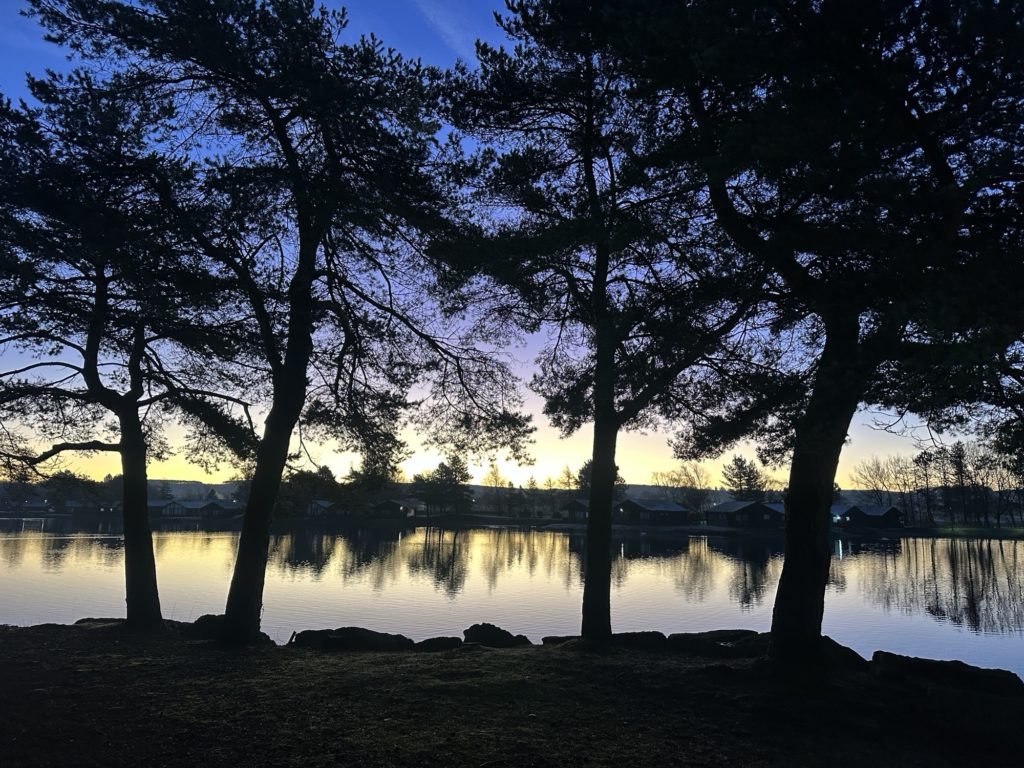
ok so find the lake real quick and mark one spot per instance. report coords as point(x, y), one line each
point(932, 597)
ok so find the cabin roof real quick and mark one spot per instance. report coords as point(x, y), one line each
point(576, 504)
point(411, 503)
point(873, 510)
point(654, 505)
point(733, 506)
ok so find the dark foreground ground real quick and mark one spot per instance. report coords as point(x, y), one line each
point(93, 695)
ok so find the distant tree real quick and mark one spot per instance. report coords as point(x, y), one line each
point(301, 487)
point(872, 475)
point(64, 486)
point(496, 482)
point(688, 486)
point(211, 495)
point(532, 495)
point(584, 480)
point(164, 491)
point(378, 468)
point(517, 502)
point(445, 489)
point(744, 480)
point(550, 486)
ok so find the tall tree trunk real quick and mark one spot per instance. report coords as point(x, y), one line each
point(245, 597)
point(141, 595)
point(244, 606)
point(597, 623)
point(819, 438)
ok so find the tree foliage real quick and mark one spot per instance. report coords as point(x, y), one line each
point(744, 480)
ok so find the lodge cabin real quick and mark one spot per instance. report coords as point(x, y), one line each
point(747, 514)
point(29, 508)
point(576, 510)
point(394, 509)
point(866, 516)
point(778, 512)
point(207, 509)
point(166, 508)
point(321, 508)
point(81, 507)
point(653, 511)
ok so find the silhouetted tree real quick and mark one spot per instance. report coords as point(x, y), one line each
point(743, 480)
point(99, 298)
point(496, 482)
point(593, 237)
point(164, 492)
point(320, 186)
point(444, 489)
point(584, 480)
point(864, 154)
point(301, 487)
point(689, 486)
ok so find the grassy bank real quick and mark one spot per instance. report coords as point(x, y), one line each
point(95, 695)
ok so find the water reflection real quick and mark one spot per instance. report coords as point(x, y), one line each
point(968, 583)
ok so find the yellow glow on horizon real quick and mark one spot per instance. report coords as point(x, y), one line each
point(638, 457)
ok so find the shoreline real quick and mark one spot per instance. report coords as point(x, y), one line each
point(465, 522)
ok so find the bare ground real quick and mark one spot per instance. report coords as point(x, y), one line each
point(96, 695)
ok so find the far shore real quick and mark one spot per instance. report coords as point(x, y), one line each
point(474, 520)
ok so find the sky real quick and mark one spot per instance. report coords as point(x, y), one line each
point(438, 32)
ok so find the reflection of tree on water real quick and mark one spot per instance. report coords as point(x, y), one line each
point(306, 551)
point(752, 563)
point(967, 582)
point(695, 563)
point(844, 548)
point(55, 550)
point(355, 553)
point(443, 555)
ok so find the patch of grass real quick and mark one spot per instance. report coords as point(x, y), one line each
point(98, 696)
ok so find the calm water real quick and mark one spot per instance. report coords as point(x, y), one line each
point(938, 598)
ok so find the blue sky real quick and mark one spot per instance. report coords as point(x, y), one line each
point(438, 32)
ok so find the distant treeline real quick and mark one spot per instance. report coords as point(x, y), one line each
point(967, 483)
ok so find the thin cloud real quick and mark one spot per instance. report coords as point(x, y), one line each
point(450, 27)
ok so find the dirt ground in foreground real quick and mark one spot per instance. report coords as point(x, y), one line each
point(97, 696)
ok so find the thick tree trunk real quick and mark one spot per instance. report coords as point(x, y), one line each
point(820, 435)
point(141, 595)
point(597, 622)
point(245, 596)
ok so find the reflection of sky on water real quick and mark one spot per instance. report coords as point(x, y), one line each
point(939, 598)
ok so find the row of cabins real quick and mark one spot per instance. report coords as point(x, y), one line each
point(735, 514)
point(756, 514)
point(632, 512)
point(48, 508)
point(389, 509)
point(207, 509)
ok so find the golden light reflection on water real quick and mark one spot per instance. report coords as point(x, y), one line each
point(939, 597)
